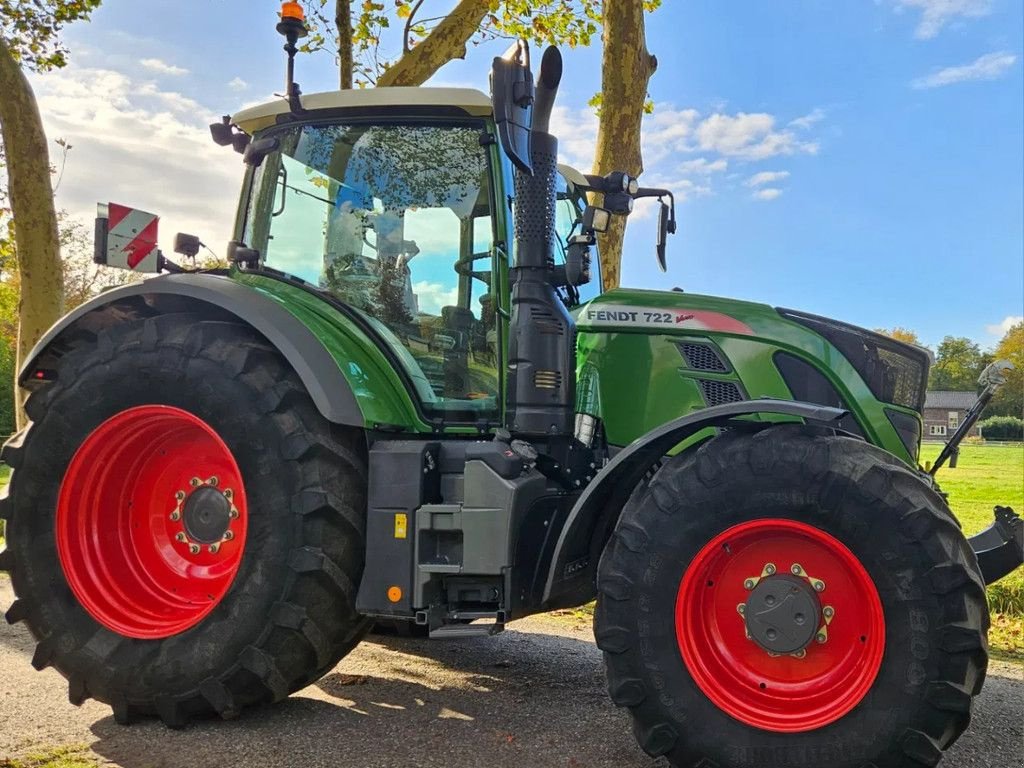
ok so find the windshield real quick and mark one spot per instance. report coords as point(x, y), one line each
point(395, 221)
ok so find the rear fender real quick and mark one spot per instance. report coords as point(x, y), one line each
point(570, 580)
point(216, 297)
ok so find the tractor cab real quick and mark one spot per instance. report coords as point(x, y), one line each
point(402, 212)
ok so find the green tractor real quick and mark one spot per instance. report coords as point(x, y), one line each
point(407, 400)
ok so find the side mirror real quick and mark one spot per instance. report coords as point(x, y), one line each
point(187, 245)
point(512, 96)
point(666, 224)
point(577, 262)
point(256, 151)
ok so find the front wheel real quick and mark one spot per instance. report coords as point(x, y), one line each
point(791, 599)
point(184, 530)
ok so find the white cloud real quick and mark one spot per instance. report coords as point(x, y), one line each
point(809, 120)
point(935, 14)
point(991, 66)
point(238, 84)
point(768, 193)
point(671, 134)
point(162, 67)
point(704, 166)
point(141, 146)
point(749, 136)
point(432, 296)
point(766, 177)
point(1000, 329)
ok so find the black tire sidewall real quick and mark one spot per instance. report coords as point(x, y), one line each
point(115, 666)
point(681, 513)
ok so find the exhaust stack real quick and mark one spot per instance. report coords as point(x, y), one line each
point(542, 347)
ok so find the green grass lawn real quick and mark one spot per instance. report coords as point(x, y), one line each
point(987, 475)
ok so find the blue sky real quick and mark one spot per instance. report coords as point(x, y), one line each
point(862, 159)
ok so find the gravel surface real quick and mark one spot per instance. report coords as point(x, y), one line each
point(533, 696)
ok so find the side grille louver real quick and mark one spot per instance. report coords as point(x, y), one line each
point(719, 392)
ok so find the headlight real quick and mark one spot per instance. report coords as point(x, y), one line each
point(895, 372)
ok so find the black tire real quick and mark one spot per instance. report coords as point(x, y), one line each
point(289, 614)
point(926, 575)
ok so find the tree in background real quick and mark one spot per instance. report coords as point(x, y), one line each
point(626, 69)
point(901, 334)
point(30, 41)
point(1009, 400)
point(356, 35)
point(958, 363)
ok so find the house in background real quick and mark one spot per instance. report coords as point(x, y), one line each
point(944, 411)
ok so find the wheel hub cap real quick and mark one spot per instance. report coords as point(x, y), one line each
point(782, 614)
point(207, 515)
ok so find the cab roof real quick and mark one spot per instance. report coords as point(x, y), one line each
point(468, 100)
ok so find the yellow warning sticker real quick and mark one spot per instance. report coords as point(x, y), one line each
point(401, 525)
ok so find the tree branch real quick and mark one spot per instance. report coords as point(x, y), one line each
point(447, 41)
point(408, 25)
point(343, 20)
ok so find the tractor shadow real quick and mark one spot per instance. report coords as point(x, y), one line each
point(517, 699)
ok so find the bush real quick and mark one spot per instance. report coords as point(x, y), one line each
point(6, 389)
point(1002, 428)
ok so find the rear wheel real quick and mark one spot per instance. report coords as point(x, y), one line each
point(185, 531)
point(791, 599)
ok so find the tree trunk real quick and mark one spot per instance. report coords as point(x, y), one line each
point(35, 221)
point(445, 42)
point(625, 71)
point(343, 19)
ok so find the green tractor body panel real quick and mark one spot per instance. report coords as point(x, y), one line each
point(647, 357)
point(382, 396)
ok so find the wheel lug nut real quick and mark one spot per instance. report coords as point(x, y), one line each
point(180, 495)
point(179, 536)
point(770, 569)
point(195, 482)
point(821, 638)
point(228, 494)
point(800, 654)
point(213, 481)
point(828, 612)
point(796, 569)
point(819, 586)
point(214, 548)
point(748, 584)
point(233, 514)
point(741, 608)
point(175, 515)
point(228, 535)
point(194, 548)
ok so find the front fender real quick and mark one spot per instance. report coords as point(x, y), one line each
point(570, 580)
point(218, 295)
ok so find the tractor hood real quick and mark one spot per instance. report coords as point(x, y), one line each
point(697, 351)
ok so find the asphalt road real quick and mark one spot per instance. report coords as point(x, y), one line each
point(531, 697)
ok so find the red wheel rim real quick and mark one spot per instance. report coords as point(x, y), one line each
point(125, 504)
point(784, 694)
